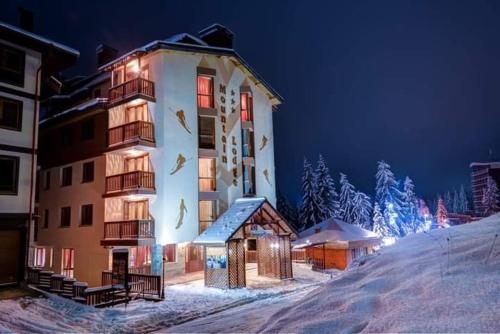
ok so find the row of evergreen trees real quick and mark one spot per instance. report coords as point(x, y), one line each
point(454, 201)
point(393, 213)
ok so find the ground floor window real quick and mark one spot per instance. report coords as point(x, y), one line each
point(39, 260)
point(68, 262)
point(208, 214)
point(139, 256)
point(358, 252)
point(170, 253)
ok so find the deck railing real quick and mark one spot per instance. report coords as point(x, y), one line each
point(137, 86)
point(129, 229)
point(138, 130)
point(318, 264)
point(130, 181)
point(139, 283)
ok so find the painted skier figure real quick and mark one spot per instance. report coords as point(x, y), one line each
point(181, 160)
point(182, 211)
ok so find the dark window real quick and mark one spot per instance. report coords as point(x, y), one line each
point(206, 132)
point(248, 180)
point(11, 112)
point(66, 216)
point(9, 174)
point(88, 172)
point(247, 143)
point(66, 137)
point(251, 244)
point(46, 218)
point(170, 253)
point(67, 175)
point(11, 65)
point(46, 181)
point(87, 210)
point(87, 130)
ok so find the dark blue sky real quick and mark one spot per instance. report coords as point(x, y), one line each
point(413, 82)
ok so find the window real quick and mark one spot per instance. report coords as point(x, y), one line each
point(11, 112)
point(170, 253)
point(9, 175)
point(248, 180)
point(207, 174)
point(118, 76)
point(251, 245)
point(138, 163)
point(86, 215)
point(145, 72)
point(66, 216)
point(246, 107)
point(39, 259)
point(247, 143)
point(206, 132)
point(139, 256)
point(66, 136)
point(137, 113)
point(208, 214)
point(68, 262)
point(66, 176)
point(133, 210)
point(87, 130)
point(46, 218)
point(46, 180)
point(11, 65)
point(132, 70)
point(205, 92)
point(88, 172)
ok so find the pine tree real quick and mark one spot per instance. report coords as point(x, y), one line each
point(464, 202)
point(410, 210)
point(456, 201)
point(379, 226)
point(346, 199)
point(310, 212)
point(362, 210)
point(387, 192)
point(490, 197)
point(441, 213)
point(448, 200)
point(287, 210)
point(326, 191)
point(391, 221)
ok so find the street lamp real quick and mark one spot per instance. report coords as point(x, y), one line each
point(163, 278)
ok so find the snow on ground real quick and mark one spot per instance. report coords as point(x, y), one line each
point(444, 281)
point(183, 302)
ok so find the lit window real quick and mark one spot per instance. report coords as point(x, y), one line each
point(208, 214)
point(170, 253)
point(135, 210)
point(139, 256)
point(132, 70)
point(207, 174)
point(246, 107)
point(68, 262)
point(205, 92)
point(39, 260)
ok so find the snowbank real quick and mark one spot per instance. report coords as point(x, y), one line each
point(442, 281)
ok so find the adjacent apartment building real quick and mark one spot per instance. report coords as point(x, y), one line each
point(479, 177)
point(26, 63)
point(146, 153)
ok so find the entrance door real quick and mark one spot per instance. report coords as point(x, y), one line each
point(194, 258)
point(10, 256)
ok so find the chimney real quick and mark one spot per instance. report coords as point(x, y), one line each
point(26, 19)
point(105, 54)
point(217, 35)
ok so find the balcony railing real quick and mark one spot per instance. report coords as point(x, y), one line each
point(138, 130)
point(137, 87)
point(130, 181)
point(129, 229)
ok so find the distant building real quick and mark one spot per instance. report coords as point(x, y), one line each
point(26, 62)
point(479, 177)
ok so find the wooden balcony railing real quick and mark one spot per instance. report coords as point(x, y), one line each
point(138, 130)
point(136, 87)
point(129, 229)
point(130, 181)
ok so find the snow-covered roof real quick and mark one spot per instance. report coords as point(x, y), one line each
point(230, 221)
point(179, 38)
point(80, 107)
point(493, 164)
point(40, 39)
point(334, 231)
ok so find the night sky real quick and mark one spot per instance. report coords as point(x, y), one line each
point(415, 83)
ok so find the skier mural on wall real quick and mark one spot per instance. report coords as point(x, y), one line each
point(179, 164)
point(182, 212)
point(263, 142)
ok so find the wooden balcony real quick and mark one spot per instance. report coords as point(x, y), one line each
point(129, 233)
point(137, 182)
point(134, 133)
point(137, 88)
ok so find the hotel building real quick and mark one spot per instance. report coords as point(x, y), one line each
point(148, 152)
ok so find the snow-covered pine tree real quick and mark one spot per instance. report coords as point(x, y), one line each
point(391, 221)
point(464, 202)
point(346, 199)
point(490, 197)
point(362, 210)
point(326, 191)
point(448, 200)
point(379, 225)
point(310, 212)
point(411, 218)
point(456, 201)
point(287, 210)
point(441, 213)
point(386, 191)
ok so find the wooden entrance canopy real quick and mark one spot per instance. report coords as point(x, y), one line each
point(224, 243)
